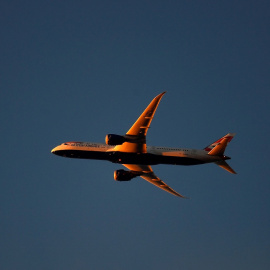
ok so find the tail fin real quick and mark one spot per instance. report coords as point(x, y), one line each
point(218, 147)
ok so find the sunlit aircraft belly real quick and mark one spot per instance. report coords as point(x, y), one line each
point(104, 152)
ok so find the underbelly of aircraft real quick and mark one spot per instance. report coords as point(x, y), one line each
point(129, 158)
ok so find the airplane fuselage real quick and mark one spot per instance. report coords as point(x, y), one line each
point(153, 156)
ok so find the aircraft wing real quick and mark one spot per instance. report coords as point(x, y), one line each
point(139, 129)
point(148, 175)
point(141, 126)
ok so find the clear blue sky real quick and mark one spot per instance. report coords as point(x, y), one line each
point(78, 70)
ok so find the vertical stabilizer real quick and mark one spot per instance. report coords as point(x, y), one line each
point(218, 147)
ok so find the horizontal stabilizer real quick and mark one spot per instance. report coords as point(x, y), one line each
point(224, 165)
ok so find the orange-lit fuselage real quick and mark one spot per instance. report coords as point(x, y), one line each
point(154, 155)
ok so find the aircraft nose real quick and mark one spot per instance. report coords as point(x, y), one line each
point(53, 150)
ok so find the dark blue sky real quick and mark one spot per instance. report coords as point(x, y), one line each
point(78, 70)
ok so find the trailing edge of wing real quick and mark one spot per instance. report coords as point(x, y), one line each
point(148, 175)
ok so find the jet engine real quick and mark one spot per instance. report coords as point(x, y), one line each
point(122, 175)
point(113, 139)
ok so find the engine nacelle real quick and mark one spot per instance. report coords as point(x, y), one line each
point(122, 175)
point(113, 139)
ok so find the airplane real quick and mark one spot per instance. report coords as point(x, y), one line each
point(131, 151)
